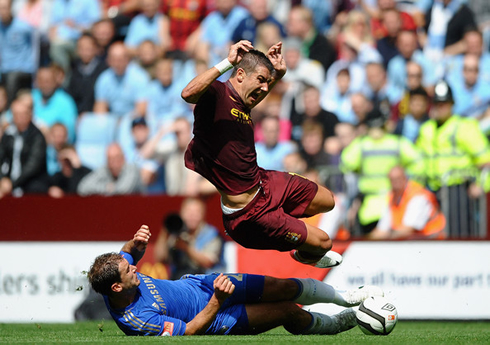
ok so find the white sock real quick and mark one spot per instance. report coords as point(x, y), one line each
point(321, 324)
point(314, 291)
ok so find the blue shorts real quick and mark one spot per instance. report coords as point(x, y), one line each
point(232, 317)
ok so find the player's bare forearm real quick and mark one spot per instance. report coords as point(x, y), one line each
point(198, 86)
point(277, 60)
point(137, 245)
point(223, 288)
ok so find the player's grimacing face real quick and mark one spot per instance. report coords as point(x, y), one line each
point(255, 85)
point(129, 278)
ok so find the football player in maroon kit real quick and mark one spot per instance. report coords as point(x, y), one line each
point(260, 207)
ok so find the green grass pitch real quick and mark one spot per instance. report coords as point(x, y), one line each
point(106, 332)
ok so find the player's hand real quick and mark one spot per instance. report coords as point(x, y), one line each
point(275, 56)
point(223, 287)
point(237, 50)
point(141, 238)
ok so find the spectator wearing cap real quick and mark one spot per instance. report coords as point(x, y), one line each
point(141, 135)
point(455, 151)
point(469, 151)
point(371, 157)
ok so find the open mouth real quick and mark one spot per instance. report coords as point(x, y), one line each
point(254, 96)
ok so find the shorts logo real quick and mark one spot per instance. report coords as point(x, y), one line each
point(241, 116)
point(168, 328)
point(293, 237)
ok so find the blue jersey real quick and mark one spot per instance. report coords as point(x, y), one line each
point(163, 307)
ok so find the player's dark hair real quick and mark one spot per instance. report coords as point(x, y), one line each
point(251, 60)
point(104, 272)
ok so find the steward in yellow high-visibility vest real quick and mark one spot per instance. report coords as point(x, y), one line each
point(412, 213)
point(454, 148)
point(371, 157)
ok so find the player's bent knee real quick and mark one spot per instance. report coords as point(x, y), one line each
point(318, 239)
point(323, 201)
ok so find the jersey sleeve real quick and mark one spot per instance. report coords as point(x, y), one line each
point(127, 256)
point(150, 323)
point(208, 100)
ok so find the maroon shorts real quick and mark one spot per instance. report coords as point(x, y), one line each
point(270, 220)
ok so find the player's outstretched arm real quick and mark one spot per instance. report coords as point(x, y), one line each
point(275, 56)
point(277, 60)
point(223, 288)
point(198, 86)
point(137, 245)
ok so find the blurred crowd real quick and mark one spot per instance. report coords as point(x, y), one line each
point(90, 94)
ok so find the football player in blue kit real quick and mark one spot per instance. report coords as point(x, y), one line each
point(214, 303)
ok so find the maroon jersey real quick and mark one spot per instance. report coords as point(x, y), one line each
point(223, 148)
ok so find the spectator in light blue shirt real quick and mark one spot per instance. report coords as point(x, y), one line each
point(164, 100)
point(473, 40)
point(121, 88)
point(69, 18)
point(407, 45)
point(52, 104)
point(217, 28)
point(472, 96)
point(337, 98)
point(18, 51)
point(271, 151)
point(259, 13)
point(148, 25)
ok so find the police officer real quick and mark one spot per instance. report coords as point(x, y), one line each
point(371, 157)
point(455, 150)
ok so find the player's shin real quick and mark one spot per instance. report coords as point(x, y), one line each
point(324, 324)
point(313, 291)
